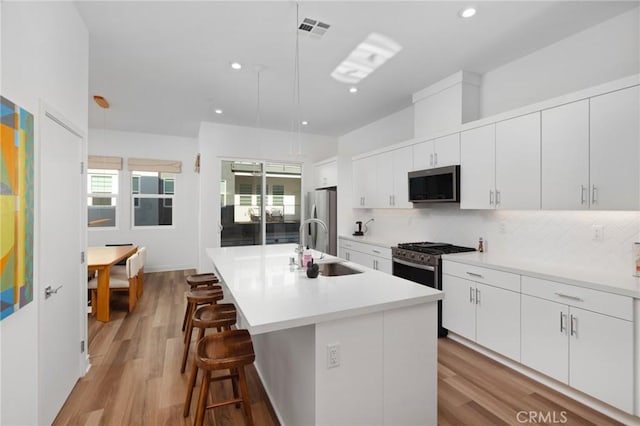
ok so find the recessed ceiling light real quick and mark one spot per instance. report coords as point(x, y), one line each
point(304, 123)
point(218, 111)
point(353, 89)
point(236, 65)
point(467, 12)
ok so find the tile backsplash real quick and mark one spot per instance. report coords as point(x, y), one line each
point(545, 236)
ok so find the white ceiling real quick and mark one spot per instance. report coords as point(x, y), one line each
point(164, 66)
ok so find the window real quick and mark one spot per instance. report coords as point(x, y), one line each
point(152, 198)
point(248, 220)
point(102, 188)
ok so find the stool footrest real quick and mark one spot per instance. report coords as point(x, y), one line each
point(222, 404)
point(225, 377)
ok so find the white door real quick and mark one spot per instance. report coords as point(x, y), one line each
point(601, 357)
point(423, 155)
point(518, 163)
point(545, 341)
point(458, 306)
point(498, 320)
point(565, 157)
point(615, 132)
point(61, 316)
point(477, 168)
point(402, 163)
point(447, 150)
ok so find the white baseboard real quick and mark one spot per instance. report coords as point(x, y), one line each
point(572, 393)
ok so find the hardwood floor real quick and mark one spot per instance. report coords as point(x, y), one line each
point(135, 376)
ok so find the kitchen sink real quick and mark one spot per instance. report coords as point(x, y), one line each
point(335, 269)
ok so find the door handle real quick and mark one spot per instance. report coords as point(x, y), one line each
point(582, 188)
point(48, 291)
point(431, 159)
point(435, 159)
point(477, 296)
point(473, 274)
point(497, 197)
point(574, 326)
point(490, 197)
point(471, 294)
point(594, 193)
point(563, 327)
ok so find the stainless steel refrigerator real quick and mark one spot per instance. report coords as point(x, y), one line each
point(322, 204)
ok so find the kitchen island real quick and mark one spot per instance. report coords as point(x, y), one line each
point(380, 330)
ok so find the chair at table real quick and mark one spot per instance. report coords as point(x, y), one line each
point(119, 282)
point(142, 252)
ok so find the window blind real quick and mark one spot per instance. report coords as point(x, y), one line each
point(149, 165)
point(104, 162)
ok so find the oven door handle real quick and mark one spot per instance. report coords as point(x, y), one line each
point(414, 265)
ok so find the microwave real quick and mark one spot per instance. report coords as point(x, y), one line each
point(439, 185)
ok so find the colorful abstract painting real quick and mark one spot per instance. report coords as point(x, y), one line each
point(16, 207)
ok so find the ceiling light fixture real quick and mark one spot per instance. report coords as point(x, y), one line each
point(218, 111)
point(101, 101)
point(467, 12)
point(236, 65)
point(353, 89)
point(304, 123)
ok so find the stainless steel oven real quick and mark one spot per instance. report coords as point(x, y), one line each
point(421, 263)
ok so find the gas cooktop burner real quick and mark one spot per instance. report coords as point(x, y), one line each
point(434, 248)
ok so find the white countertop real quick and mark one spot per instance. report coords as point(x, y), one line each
point(272, 296)
point(369, 240)
point(611, 281)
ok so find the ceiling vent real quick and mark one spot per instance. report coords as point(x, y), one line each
point(313, 27)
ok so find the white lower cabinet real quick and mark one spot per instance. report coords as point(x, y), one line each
point(588, 351)
point(369, 255)
point(490, 316)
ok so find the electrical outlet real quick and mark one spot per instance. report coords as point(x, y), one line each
point(333, 355)
point(597, 232)
point(503, 227)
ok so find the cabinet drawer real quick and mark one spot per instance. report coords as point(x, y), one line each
point(593, 300)
point(479, 274)
point(373, 250)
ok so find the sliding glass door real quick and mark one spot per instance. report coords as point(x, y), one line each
point(259, 203)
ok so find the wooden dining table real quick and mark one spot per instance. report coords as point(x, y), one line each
point(101, 259)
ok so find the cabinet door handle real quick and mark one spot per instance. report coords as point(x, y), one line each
point(477, 296)
point(347, 256)
point(490, 197)
point(568, 296)
point(393, 197)
point(594, 194)
point(435, 159)
point(471, 294)
point(473, 274)
point(582, 188)
point(375, 251)
point(497, 197)
point(431, 159)
point(563, 327)
point(574, 326)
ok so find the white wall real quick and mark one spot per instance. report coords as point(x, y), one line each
point(394, 128)
point(602, 53)
point(168, 249)
point(218, 141)
point(45, 50)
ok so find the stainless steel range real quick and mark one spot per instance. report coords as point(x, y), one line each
point(421, 263)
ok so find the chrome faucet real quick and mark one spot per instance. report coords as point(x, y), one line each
point(300, 248)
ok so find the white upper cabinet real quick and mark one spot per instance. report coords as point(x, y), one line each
point(590, 153)
point(380, 181)
point(402, 162)
point(614, 147)
point(326, 174)
point(518, 163)
point(440, 152)
point(364, 182)
point(477, 168)
point(565, 157)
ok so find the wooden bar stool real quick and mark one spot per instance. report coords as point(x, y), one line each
point(220, 317)
point(195, 290)
point(227, 350)
point(194, 299)
point(199, 280)
point(196, 282)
